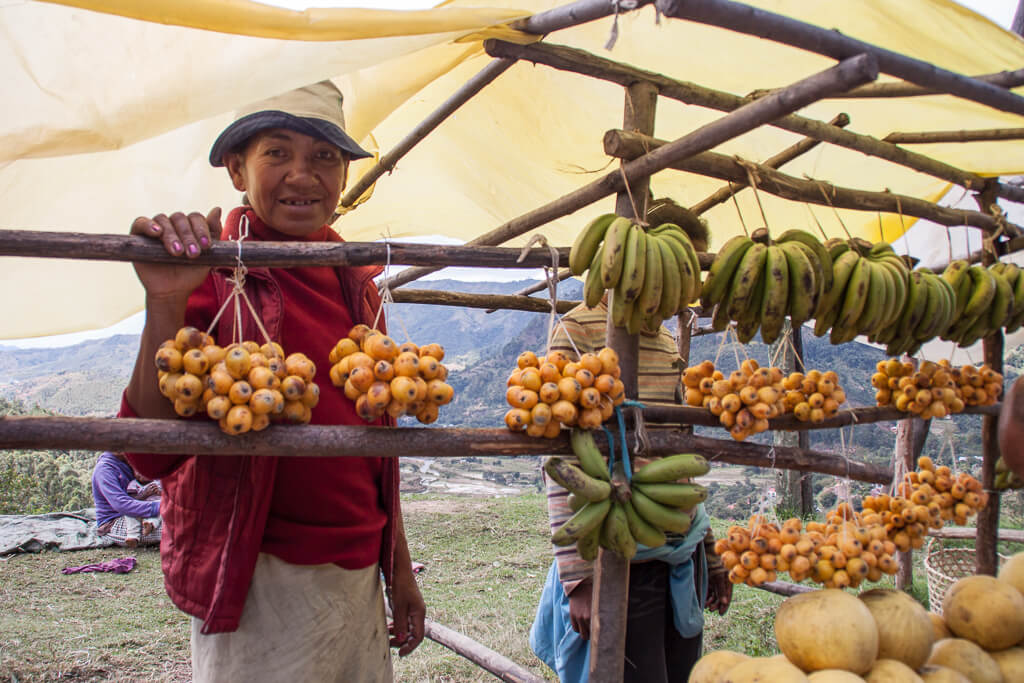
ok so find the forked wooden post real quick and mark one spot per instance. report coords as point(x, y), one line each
point(988, 517)
point(611, 571)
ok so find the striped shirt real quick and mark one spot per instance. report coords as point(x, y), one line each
point(584, 330)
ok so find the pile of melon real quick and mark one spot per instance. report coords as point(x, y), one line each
point(885, 636)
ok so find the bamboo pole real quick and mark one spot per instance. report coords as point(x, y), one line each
point(582, 62)
point(1003, 79)
point(137, 435)
point(735, 16)
point(75, 245)
point(610, 601)
point(969, 533)
point(742, 120)
point(387, 162)
point(784, 157)
point(491, 302)
point(956, 136)
point(628, 145)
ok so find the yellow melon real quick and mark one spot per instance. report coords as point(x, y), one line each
point(827, 629)
point(985, 610)
point(713, 666)
point(942, 674)
point(765, 670)
point(1011, 663)
point(905, 632)
point(966, 657)
point(891, 671)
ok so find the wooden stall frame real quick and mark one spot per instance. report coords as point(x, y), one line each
point(861, 62)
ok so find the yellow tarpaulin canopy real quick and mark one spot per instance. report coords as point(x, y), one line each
point(110, 107)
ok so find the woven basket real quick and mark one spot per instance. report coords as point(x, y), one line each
point(944, 567)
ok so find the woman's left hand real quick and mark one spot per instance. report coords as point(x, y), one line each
point(408, 611)
point(719, 592)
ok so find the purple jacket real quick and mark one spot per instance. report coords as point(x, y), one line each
point(110, 479)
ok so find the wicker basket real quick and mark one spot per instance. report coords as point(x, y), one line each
point(944, 567)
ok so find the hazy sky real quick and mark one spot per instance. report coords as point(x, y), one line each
point(999, 11)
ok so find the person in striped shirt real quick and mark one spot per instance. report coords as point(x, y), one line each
point(668, 586)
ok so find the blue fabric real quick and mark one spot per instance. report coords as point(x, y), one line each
point(553, 639)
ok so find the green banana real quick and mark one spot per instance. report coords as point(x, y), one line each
point(575, 502)
point(821, 253)
point(588, 242)
point(879, 248)
point(636, 319)
point(634, 263)
point(672, 279)
point(1002, 303)
point(588, 545)
point(827, 310)
point(749, 272)
point(876, 298)
point(930, 321)
point(585, 448)
point(1018, 299)
point(593, 288)
point(836, 247)
point(621, 309)
point(589, 517)
point(642, 531)
point(955, 273)
point(683, 496)
point(674, 232)
point(615, 534)
point(649, 299)
point(854, 299)
point(682, 264)
point(917, 300)
point(804, 282)
point(575, 480)
point(613, 253)
point(672, 468)
point(983, 290)
point(720, 274)
point(775, 301)
point(662, 517)
point(749, 321)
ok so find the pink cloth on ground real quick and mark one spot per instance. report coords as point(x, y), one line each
point(121, 565)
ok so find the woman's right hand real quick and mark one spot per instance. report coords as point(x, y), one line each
point(182, 235)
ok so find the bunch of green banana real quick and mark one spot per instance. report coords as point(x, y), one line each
point(757, 285)
point(874, 294)
point(616, 517)
point(1006, 478)
point(987, 299)
point(653, 273)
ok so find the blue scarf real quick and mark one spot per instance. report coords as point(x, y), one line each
point(553, 639)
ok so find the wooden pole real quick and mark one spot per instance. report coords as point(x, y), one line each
point(491, 302)
point(1003, 79)
point(734, 124)
point(956, 136)
point(803, 437)
point(787, 481)
point(582, 62)
point(988, 517)
point(573, 14)
point(75, 245)
point(1017, 26)
point(735, 16)
point(387, 162)
point(905, 452)
point(487, 659)
point(205, 438)
point(611, 571)
point(628, 145)
point(784, 157)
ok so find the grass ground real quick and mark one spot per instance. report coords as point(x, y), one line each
point(486, 560)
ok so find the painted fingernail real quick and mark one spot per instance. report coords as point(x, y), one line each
point(155, 227)
point(204, 241)
point(176, 246)
point(193, 250)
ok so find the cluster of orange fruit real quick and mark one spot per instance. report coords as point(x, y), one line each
point(851, 547)
point(749, 397)
point(934, 389)
point(386, 378)
point(927, 497)
point(839, 553)
point(243, 385)
point(554, 390)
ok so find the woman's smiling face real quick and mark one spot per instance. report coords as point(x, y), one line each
point(293, 181)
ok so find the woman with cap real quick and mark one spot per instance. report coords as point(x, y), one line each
point(278, 560)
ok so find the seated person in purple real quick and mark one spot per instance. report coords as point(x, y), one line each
point(121, 512)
